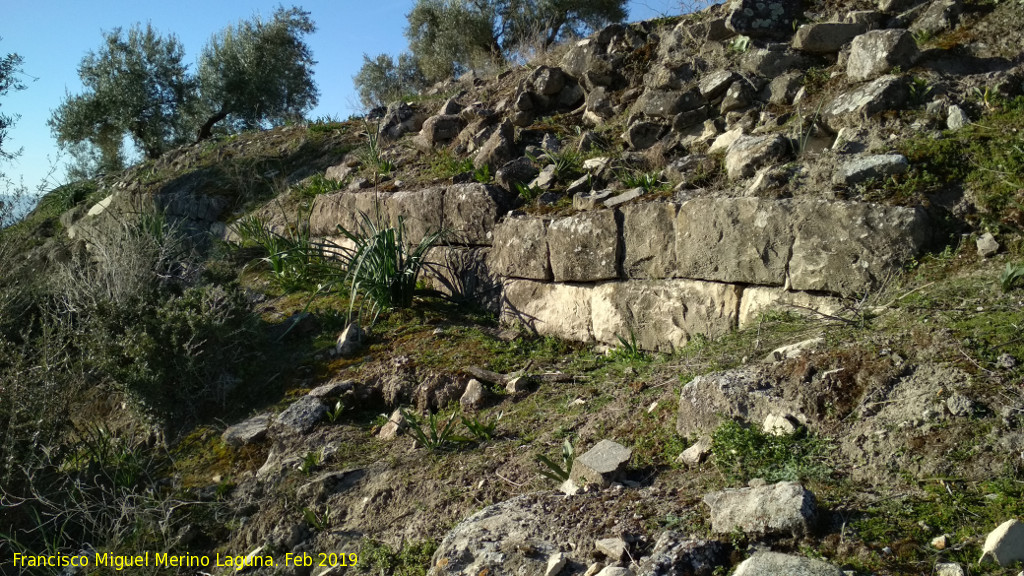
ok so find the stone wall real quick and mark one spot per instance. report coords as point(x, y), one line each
point(658, 272)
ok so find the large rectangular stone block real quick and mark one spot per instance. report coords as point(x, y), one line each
point(738, 240)
point(663, 314)
point(344, 209)
point(648, 240)
point(471, 211)
point(757, 300)
point(521, 249)
point(422, 212)
point(561, 310)
point(585, 247)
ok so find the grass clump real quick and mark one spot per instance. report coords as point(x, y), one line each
point(411, 559)
point(743, 452)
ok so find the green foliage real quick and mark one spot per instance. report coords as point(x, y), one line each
point(10, 68)
point(66, 197)
point(311, 461)
point(649, 181)
point(295, 262)
point(483, 174)
point(739, 44)
point(119, 462)
point(449, 37)
point(444, 164)
point(568, 162)
point(742, 453)
point(434, 432)
point(318, 184)
point(528, 193)
point(382, 80)
point(319, 521)
point(1012, 276)
point(558, 471)
point(383, 266)
point(481, 430)
point(628, 349)
point(920, 91)
point(137, 85)
point(334, 413)
point(412, 559)
point(257, 72)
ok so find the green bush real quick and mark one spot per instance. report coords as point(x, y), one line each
point(743, 452)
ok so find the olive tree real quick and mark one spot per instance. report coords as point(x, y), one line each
point(256, 73)
point(448, 37)
point(136, 85)
point(383, 79)
point(10, 67)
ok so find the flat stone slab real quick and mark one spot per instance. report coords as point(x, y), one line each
point(303, 415)
point(252, 430)
point(600, 464)
point(782, 508)
point(774, 564)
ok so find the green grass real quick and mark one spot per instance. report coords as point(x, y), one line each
point(744, 452)
point(412, 559)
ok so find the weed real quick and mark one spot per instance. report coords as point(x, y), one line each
point(311, 461)
point(445, 164)
point(528, 193)
point(739, 44)
point(742, 453)
point(649, 181)
point(373, 154)
point(68, 196)
point(383, 266)
point(1012, 275)
point(334, 413)
point(483, 174)
point(295, 261)
point(482, 430)
point(559, 472)
point(411, 559)
point(317, 521)
point(922, 37)
point(435, 432)
point(628, 349)
point(317, 184)
point(920, 91)
point(568, 162)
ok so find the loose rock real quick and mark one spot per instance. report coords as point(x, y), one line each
point(600, 464)
point(783, 508)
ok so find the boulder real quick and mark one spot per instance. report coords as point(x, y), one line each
point(774, 563)
point(675, 553)
point(498, 149)
point(401, 119)
point(521, 249)
point(641, 135)
point(782, 89)
point(772, 60)
point(560, 310)
point(740, 394)
point(877, 52)
point(987, 245)
point(749, 153)
point(547, 80)
point(393, 427)
point(624, 197)
point(739, 95)
point(1005, 544)
point(441, 129)
point(581, 57)
point(667, 103)
point(736, 240)
point(876, 167)
point(662, 315)
point(767, 20)
point(713, 85)
point(696, 453)
point(341, 209)
point(601, 464)
point(584, 247)
point(783, 508)
point(825, 37)
point(957, 119)
point(852, 108)
point(613, 549)
point(302, 415)
point(598, 107)
point(518, 171)
point(648, 232)
point(939, 16)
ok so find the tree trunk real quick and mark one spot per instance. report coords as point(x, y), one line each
point(206, 130)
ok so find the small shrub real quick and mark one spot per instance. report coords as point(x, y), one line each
point(481, 430)
point(743, 452)
point(445, 165)
point(318, 184)
point(567, 161)
point(1012, 277)
point(434, 432)
point(649, 181)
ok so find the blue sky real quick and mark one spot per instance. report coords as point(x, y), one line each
point(53, 36)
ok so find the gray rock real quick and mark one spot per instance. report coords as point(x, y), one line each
point(772, 60)
point(581, 57)
point(674, 553)
point(795, 350)
point(622, 198)
point(498, 149)
point(769, 20)
point(749, 153)
point(546, 178)
point(555, 564)
point(696, 453)
point(598, 107)
point(1005, 544)
point(302, 415)
point(708, 400)
point(959, 405)
point(440, 129)
point(825, 38)
point(581, 185)
point(601, 464)
point(519, 385)
point(987, 245)
point(394, 426)
point(878, 167)
point(584, 247)
point(252, 430)
point(613, 548)
point(877, 52)
point(774, 564)
point(422, 211)
point(473, 397)
point(349, 341)
point(401, 119)
point(667, 103)
point(782, 508)
point(591, 200)
point(546, 80)
point(713, 85)
point(642, 135)
point(685, 120)
point(470, 212)
point(739, 95)
point(852, 108)
point(332, 389)
point(957, 118)
point(783, 89)
point(615, 571)
point(518, 171)
point(521, 249)
point(451, 106)
point(939, 16)
point(338, 172)
point(949, 569)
